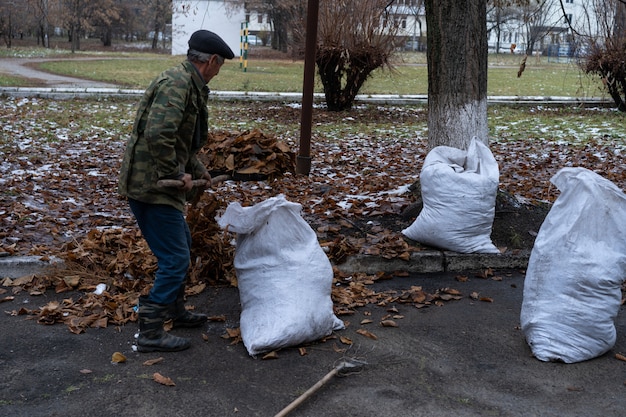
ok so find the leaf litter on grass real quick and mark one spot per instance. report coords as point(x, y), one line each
point(59, 179)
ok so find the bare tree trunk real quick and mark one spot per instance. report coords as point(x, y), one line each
point(457, 72)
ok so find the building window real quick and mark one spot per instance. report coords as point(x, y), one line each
point(569, 1)
point(260, 18)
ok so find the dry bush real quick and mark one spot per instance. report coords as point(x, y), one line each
point(355, 37)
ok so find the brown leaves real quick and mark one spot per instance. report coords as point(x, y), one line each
point(356, 293)
point(212, 254)
point(353, 198)
point(367, 334)
point(234, 335)
point(89, 311)
point(248, 153)
point(151, 362)
point(163, 380)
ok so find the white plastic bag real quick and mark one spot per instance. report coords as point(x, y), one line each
point(284, 276)
point(572, 290)
point(459, 193)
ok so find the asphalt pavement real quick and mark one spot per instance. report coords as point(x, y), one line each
point(465, 357)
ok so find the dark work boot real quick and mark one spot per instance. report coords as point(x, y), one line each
point(152, 336)
point(181, 317)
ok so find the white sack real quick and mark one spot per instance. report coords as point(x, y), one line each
point(572, 290)
point(284, 276)
point(459, 193)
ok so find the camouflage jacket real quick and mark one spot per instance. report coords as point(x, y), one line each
point(171, 126)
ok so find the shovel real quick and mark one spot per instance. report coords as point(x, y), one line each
point(196, 183)
point(344, 368)
point(214, 180)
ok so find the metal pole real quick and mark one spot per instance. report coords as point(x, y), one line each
point(303, 160)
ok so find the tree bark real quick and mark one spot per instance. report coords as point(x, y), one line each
point(457, 72)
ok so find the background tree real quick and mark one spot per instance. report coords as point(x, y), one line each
point(40, 11)
point(287, 18)
point(606, 55)
point(104, 17)
point(74, 21)
point(540, 18)
point(355, 37)
point(457, 72)
point(159, 14)
point(13, 20)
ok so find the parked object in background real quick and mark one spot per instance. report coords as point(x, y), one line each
point(254, 40)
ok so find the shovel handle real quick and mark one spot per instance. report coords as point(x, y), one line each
point(196, 183)
point(179, 183)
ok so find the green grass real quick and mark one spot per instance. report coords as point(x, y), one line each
point(135, 70)
point(10, 81)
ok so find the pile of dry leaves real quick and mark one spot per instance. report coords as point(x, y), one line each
point(112, 267)
point(59, 181)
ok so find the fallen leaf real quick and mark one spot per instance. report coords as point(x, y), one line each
point(271, 355)
point(485, 273)
point(85, 371)
point(388, 323)
point(196, 289)
point(367, 334)
point(345, 340)
point(72, 280)
point(234, 335)
point(163, 380)
point(337, 349)
point(151, 362)
point(118, 357)
point(620, 357)
point(21, 281)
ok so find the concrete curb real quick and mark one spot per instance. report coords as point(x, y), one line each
point(19, 266)
point(427, 261)
point(296, 97)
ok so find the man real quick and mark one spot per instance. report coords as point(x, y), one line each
point(171, 126)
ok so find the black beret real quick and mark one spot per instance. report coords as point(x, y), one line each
point(210, 43)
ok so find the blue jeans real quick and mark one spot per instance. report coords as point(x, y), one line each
point(167, 233)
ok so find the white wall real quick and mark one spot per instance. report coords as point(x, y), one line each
point(213, 15)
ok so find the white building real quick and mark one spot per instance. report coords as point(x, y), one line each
point(509, 30)
point(546, 25)
point(218, 16)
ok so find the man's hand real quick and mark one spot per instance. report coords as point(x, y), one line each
point(207, 177)
point(187, 184)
